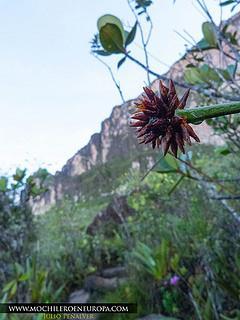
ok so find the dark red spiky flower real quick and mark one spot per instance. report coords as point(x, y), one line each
point(157, 122)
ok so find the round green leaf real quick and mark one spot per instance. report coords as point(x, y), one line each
point(111, 38)
point(209, 33)
point(207, 73)
point(193, 76)
point(204, 72)
point(109, 18)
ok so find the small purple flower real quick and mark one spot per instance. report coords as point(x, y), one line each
point(174, 280)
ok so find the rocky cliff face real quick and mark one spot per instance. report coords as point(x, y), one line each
point(115, 140)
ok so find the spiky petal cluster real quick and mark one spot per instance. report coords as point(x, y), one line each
point(157, 123)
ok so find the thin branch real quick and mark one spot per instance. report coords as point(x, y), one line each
point(150, 30)
point(155, 58)
point(226, 198)
point(112, 76)
point(144, 43)
point(212, 190)
point(202, 174)
point(154, 165)
point(198, 89)
point(229, 180)
point(184, 38)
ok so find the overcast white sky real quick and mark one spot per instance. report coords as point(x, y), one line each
point(53, 93)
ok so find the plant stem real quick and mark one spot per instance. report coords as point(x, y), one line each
point(197, 115)
point(112, 76)
point(144, 43)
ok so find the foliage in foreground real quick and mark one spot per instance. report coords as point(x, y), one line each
point(184, 256)
point(181, 249)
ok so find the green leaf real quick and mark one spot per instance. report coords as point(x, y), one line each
point(209, 33)
point(207, 73)
point(111, 38)
point(143, 4)
point(131, 35)
point(120, 62)
point(223, 150)
point(174, 261)
point(13, 290)
point(102, 52)
point(232, 37)
point(167, 164)
point(24, 277)
point(201, 75)
point(207, 311)
point(19, 175)
point(229, 72)
point(144, 254)
point(42, 173)
point(3, 184)
point(226, 3)
point(225, 74)
point(18, 268)
point(193, 76)
point(176, 184)
point(36, 191)
point(224, 30)
point(203, 45)
point(8, 286)
point(109, 18)
point(204, 72)
point(58, 292)
point(232, 68)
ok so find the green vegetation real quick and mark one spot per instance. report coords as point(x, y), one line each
point(180, 248)
point(103, 179)
point(185, 237)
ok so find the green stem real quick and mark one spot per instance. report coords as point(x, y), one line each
point(199, 114)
